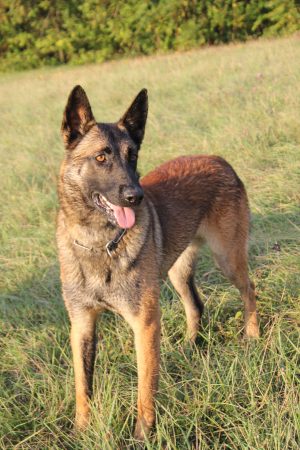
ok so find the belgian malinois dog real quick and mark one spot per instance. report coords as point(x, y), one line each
point(118, 236)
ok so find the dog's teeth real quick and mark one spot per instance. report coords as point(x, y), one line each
point(103, 203)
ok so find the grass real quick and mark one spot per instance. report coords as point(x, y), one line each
point(239, 101)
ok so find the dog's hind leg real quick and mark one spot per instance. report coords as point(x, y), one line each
point(234, 266)
point(181, 275)
point(228, 242)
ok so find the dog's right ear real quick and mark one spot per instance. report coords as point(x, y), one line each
point(78, 118)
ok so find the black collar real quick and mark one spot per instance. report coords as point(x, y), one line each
point(111, 246)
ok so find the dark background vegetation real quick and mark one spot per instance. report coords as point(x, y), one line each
point(34, 33)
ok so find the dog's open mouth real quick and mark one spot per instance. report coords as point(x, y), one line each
point(124, 217)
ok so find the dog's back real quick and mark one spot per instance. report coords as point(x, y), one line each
point(190, 193)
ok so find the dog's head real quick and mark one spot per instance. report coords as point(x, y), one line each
point(101, 167)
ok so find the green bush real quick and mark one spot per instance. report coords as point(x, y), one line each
point(50, 32)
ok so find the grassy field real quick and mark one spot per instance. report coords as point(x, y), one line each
point(241, 102)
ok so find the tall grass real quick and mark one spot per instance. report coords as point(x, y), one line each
point(241, 102)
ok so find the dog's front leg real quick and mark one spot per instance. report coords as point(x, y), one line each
point(83, 342)
point(146, 327)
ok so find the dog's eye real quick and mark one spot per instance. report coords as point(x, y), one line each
point(133, 157)
point(101, 158)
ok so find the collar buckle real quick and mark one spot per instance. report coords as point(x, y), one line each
point(112, 245)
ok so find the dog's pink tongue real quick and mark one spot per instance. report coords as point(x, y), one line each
point(125, 216)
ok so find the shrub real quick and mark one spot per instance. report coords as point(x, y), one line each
point(50, 32)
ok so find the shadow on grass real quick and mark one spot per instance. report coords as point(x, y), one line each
point(36, 304)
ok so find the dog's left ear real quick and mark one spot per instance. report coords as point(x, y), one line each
point(134, 120)
point(78, 118)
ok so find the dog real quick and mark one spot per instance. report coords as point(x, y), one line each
point(118, 236)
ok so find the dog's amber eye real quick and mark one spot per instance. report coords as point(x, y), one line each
point(101, 158)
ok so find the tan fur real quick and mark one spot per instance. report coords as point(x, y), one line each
point(187, 201)
point(83, 326)
point(146, 327)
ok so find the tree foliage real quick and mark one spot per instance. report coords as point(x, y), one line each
point(50, 32)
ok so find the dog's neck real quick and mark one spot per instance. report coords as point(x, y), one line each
point(111, 245)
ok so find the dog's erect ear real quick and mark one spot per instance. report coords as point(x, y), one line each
point(78, 118)
point(134, 120)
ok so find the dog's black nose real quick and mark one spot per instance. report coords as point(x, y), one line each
point(132, 195)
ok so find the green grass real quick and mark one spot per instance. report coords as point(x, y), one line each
point(241, 102)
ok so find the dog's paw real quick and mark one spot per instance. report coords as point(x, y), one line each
point(81, 422)
point(141, 430)
point(251, 333)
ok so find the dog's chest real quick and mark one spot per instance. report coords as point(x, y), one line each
point(110, 283)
